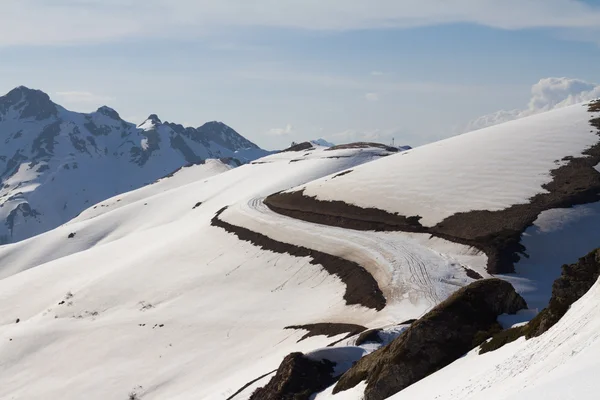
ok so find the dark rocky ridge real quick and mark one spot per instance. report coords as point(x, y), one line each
point(444, 334)
point(328, 329)
point(297, 378)
point(29, 103)
point(299, 147)
point(363, 145)
point(361, 287)
point(496, 233)
point(575, 281)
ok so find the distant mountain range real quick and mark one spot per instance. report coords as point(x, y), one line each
point(54, 162)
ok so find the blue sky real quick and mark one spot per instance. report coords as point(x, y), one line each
point(285, 70)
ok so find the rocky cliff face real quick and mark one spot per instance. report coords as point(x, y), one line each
point(440, 337)
point(54, 163)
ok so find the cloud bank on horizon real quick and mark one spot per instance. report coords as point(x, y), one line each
point(39, 22)
point(548, 94)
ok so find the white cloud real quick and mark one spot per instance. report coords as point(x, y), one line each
point(288, 130)
point(74, 21)
point(78, 97)
point(546, 95)
point(372, 97)
point(376, 73)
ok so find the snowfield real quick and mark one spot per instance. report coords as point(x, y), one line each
point(90, 308)
point(141, 297)
point(455, 175)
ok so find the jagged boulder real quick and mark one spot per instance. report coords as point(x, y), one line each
point(447, 332)
point(575, 281)
point(297, 378)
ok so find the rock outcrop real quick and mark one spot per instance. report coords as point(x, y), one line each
point(575, 281)
point(297, 378)
point(446, 333)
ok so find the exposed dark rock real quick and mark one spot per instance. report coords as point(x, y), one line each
point(370, 336)
point(23, 209)
point(361, 287)
point(154, 119)
point(222, 134)
point(496, 233)
point(299, 147)
point(363, 145)
point(342, 174)
point(178, 143)
point(328, 329)
point(72, 235)
point(297, 378)
point(409, 322)
point(253, 381)
point(43, 145)
point(109, 112)
point(575, 281)
point(472, 274)
point(440, 337)
point(29, 102)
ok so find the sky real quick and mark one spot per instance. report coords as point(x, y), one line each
point(291, 70)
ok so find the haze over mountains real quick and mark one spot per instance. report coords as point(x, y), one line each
point(54, 162)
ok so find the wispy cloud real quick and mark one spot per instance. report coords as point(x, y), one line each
point(288, 130)
point(548, 94)
point(39, 22)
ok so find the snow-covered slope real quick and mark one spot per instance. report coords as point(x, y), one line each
point(146, 291)
point(54, 163)
point(490, 169)
point(505, 190)
point(195, 288)
point(559, 365)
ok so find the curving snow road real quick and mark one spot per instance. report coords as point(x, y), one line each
point(413, 277)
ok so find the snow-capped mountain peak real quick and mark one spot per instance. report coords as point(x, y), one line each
point(55, 162)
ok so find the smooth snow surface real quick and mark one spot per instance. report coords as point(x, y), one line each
point(140, 296)
point(489, 169)
point(149, 298)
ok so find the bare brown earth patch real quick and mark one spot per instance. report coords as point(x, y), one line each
point(361, 288)
point(441, 336)
point(472, 274)
point(362, 145)
point(496, 233)
point(328, 329)
point(342, 174)
point(297, 378)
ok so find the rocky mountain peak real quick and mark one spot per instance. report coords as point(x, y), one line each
point(28, 103)
point(109, 112)
point(154, 119)
point(150, 123)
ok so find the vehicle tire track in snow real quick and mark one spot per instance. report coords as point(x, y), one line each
point(400, 265)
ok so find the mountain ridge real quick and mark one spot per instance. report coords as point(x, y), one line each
point(56, 162)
